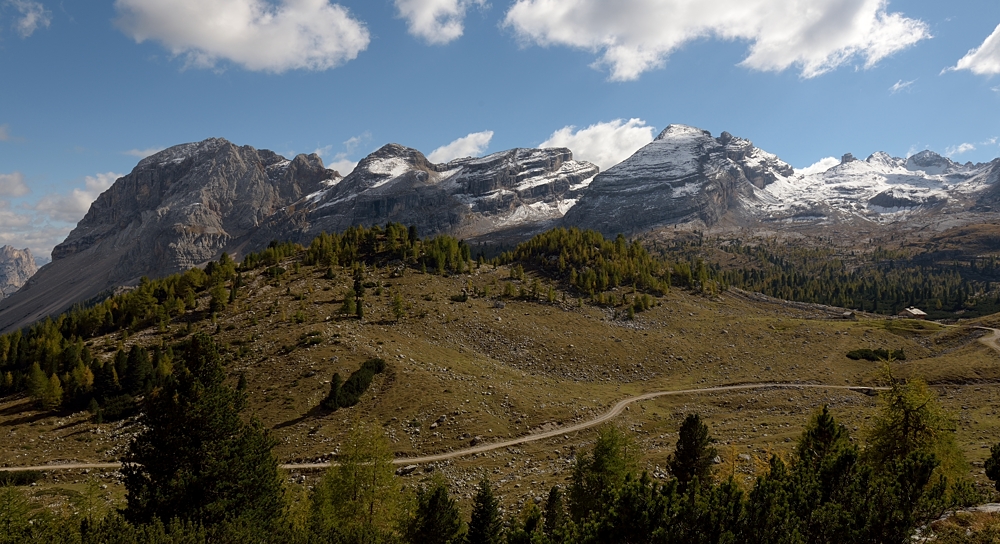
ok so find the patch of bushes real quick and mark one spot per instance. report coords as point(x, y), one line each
point(879, 354)
point(347, 394)
point(19, 477)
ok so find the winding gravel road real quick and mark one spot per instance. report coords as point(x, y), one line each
point(482, 448)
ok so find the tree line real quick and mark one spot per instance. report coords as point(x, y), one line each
point(53, 362)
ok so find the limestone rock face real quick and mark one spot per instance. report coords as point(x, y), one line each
point(516, 191)
point(16, 266)
point(683, 175)
point(178, 208)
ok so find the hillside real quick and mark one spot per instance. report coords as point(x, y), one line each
point(481, 355)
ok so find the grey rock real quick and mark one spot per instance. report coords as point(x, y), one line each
point(512, 193)
point(177, 209)
point(16, 267)
point(683, 175)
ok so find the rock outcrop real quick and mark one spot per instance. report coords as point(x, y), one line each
point(16, 266)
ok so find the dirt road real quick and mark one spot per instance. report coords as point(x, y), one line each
point(993, 340)
point(482, 448)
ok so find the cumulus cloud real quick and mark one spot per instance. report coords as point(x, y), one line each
point(255, 34)
point(818, 167)
point(634, 36)
point(31, 16)
point(901, 86)
point(43, 224)
point(959, 149)
point(468, 146)
point(983, 60)
point(143, 153)
point(604, 144)
point(71, 207)
point(12, 185)
point(437, 21)
point(339, 161)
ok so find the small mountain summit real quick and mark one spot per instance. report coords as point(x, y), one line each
point(16, 267)
point(683, 175)
point(178, 208)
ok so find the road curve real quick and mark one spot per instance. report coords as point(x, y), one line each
point(482, 448)
point(992, 341)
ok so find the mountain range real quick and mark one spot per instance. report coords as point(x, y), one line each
point(187, 204)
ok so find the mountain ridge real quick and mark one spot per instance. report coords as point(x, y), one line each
point(184, 206)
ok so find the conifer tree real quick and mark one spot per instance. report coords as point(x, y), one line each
point(597, 473)
point(437, 519)
point(332, 400)
point(197, 460)
point(359, 498)
point(694, 454)
point(486, 526)
point(992, 465)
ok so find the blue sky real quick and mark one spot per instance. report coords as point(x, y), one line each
point(92, 86)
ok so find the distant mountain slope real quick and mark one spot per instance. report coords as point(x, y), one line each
point(16, 266)
point(177, 209)
point(685, 175)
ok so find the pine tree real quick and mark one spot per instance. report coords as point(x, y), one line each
point(38, 382)
point(992, 465)
point(437, 519)
point(138, 371)
point(332, 400)
point(694, 454)
point(197, 460)
point(486, 526)
point(555, 512)
point(598, 473)
point(359, 498)
point(53, 395)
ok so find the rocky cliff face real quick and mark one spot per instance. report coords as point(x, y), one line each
point(177, 209)
point(519, 190)
point(683, 175)
point(16, 266)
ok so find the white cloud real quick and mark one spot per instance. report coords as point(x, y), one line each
point(143, 153)
point(959, 149)
point(5, 134)
point(339, 161)
point(32, 15)
point(901, 86)
point(12, 185)
point(604, 144)
point(983, 60)
point(437, 21)
point(634, 36)
point(70, 208)
point(255, 34)
point(42, 225)
point(468, 146)
point(818, 167)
